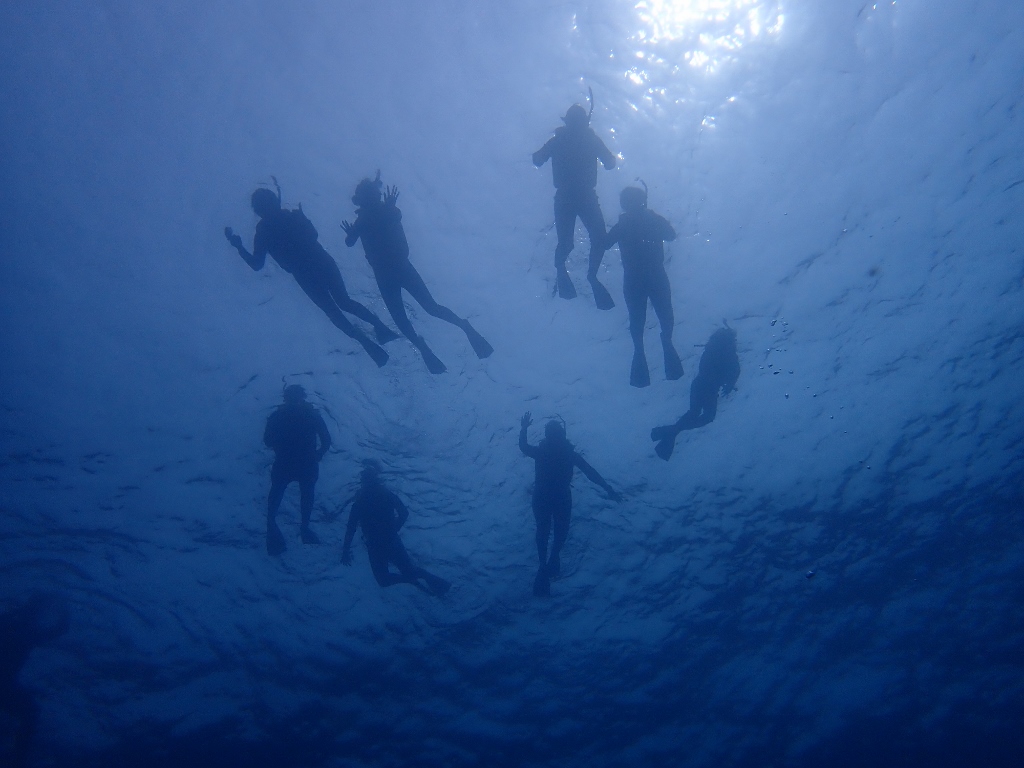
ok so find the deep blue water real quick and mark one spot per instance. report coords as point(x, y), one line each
point(847, 182)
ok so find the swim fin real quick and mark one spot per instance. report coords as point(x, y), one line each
point(673, 366)
point(478, 342)
point(438, 586)
point(377, 354)
point(639, 375)
point(663, 433)
point(665, 447)
point(275, 540)
point(602, 298)
point(565, 287)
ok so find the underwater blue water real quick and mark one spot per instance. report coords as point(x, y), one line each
point(847, 180)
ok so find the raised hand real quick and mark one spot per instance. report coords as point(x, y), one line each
point(526, 420)
point(390, 195)
point(347, 227)
point(234, 239)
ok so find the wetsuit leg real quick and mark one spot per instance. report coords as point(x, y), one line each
point(703, 405)
point(565, 228)
point(542, 514)
point(635, 291)
point(593, 220)
point(560, 518)
point(390, 285)
point(413, 283)
point(661, 298)
point(336, 288)
point(280, 478)
point(315, 286)
point(307, 489)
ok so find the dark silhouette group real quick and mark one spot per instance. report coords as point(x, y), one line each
point(296, 432)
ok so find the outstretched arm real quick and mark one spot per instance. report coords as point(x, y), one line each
point(351, 232)
point(595, 478)
point(524, 445)
point(604, 154)
point(256, 259)
point(543, 154)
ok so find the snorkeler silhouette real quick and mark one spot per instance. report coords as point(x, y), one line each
point(718, 370)
point(42, 619)
point(554, 461)
point(574, 151)
point(641, 234)
point(382, 514)
point(379, 224)
point(292, 240)
point(292, 432)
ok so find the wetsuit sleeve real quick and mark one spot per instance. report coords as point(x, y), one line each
point(543, 154)
point(662, 229)
point(354, 232)
point(524, 446)
point(603, 153)
point(258, 257)
point(400, 508)
point(613, 236)
point(592, 474)
point(325, 437)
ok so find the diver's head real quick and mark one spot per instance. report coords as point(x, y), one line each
point(264, 202)
point(294, 393)
point(723, 338)
point(633, 199)
point(371, 471)
point(367, 193)
point(576, 118)
point(554, 430)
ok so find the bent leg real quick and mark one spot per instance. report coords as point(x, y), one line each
point(315, 287)
point(338, 292)
point(413, 283)
point(561, 527)
point(391, 292)
point(661, 299)
point(636, 304)
point(279, 481)
point(400, 557)
point(593, 220)
point(307, 487)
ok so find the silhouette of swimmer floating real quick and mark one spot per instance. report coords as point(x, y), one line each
point(555, 458)
point(42, 619)
point(293, 431)
point(574, 151)
point(718, 370)
point(641, 234)
point(382, 514)
point(379, 224)
point(292, 240)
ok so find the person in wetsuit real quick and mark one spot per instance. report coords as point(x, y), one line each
point(292, 240)
point(40, 620)
point(718, 370)
point(379, 224)
point(382, 514)
point(293, 432)
point(574, 151)
point(554, 458)
point(641, 234)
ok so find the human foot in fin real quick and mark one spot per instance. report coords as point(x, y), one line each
point(639, 375)
point(602, 298)
point(565, 287)
point(554, 566)
point(308, 537)
point(673, 366)
point(478, 342)
point(275, 540)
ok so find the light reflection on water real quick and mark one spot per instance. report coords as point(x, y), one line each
point(678, 37)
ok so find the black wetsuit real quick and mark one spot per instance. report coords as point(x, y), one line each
point(718, 370)
point(554, 462)
point(292, 432)
point(379, 225)
point(382, 514)
point(574, 154)
point(19, 635)
point(641, 236)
